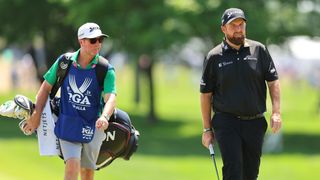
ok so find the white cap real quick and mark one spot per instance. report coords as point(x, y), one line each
point(90, 30)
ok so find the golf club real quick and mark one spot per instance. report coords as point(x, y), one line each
point(214, 161)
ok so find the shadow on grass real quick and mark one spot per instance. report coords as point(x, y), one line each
point(163, 138)
point(301, 143)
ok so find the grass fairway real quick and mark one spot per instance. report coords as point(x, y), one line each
point(171, 149)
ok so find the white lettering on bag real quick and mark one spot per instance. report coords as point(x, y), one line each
point(111, 136)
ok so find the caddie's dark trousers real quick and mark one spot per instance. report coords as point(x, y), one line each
point(240, 143)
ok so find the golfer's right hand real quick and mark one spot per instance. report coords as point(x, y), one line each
point(207, 138)
point(276, 122)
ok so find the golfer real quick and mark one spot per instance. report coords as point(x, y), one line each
point(234, 83)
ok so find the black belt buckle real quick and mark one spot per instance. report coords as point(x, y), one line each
point(251, 117)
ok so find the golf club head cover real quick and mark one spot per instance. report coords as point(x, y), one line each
point(8, 109)
point(24, 103)
point(26, 109)
point(20, 108)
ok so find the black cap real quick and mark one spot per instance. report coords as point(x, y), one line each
point(232, 14)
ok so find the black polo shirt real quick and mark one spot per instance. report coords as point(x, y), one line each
point(237, 78)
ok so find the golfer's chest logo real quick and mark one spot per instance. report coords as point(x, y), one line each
point(78, 96)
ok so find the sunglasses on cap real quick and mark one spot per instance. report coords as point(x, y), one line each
point(94, 40)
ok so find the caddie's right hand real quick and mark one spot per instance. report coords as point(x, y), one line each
point(207, 138)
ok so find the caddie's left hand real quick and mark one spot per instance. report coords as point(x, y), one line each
point(102, 123)
point(275, 122)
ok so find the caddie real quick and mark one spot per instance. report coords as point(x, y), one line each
point(80, 125)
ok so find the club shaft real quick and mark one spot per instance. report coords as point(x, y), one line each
point(215, 166)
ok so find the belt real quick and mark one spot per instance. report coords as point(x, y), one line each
point(251, 117)
point(256, 116)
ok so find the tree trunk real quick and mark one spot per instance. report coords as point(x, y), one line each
point(145, 66)
point(137, 84)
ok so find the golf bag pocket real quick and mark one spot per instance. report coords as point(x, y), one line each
point(74, 129)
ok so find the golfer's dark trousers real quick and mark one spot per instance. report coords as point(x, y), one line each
point(240, 142)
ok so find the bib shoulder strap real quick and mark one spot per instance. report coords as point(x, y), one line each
point(101, 70)
point(63, 68)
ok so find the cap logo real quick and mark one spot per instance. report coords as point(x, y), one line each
point(233, 12)
point(93, 28)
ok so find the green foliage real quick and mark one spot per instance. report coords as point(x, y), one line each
point(23, 20)
point(142, 26)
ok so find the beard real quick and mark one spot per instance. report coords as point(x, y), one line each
point(236, 39)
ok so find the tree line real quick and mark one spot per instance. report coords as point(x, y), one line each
point(143, 28)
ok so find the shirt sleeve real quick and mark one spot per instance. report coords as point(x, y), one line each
point(269, 69)
point(50, 75)
point(207, 80)
point(110, 82)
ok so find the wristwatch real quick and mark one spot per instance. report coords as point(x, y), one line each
point(106, 116)
point(207, 129)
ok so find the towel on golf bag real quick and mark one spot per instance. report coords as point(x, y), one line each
point(47, 140)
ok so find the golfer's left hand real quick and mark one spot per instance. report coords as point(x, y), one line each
point(207, 138)
point(102, 123)
point(275, 122)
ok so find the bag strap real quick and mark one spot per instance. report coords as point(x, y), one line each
point(101, 70)
point(63, 68)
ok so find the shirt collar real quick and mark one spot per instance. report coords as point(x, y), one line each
point(226, 46)
point(92, 64)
